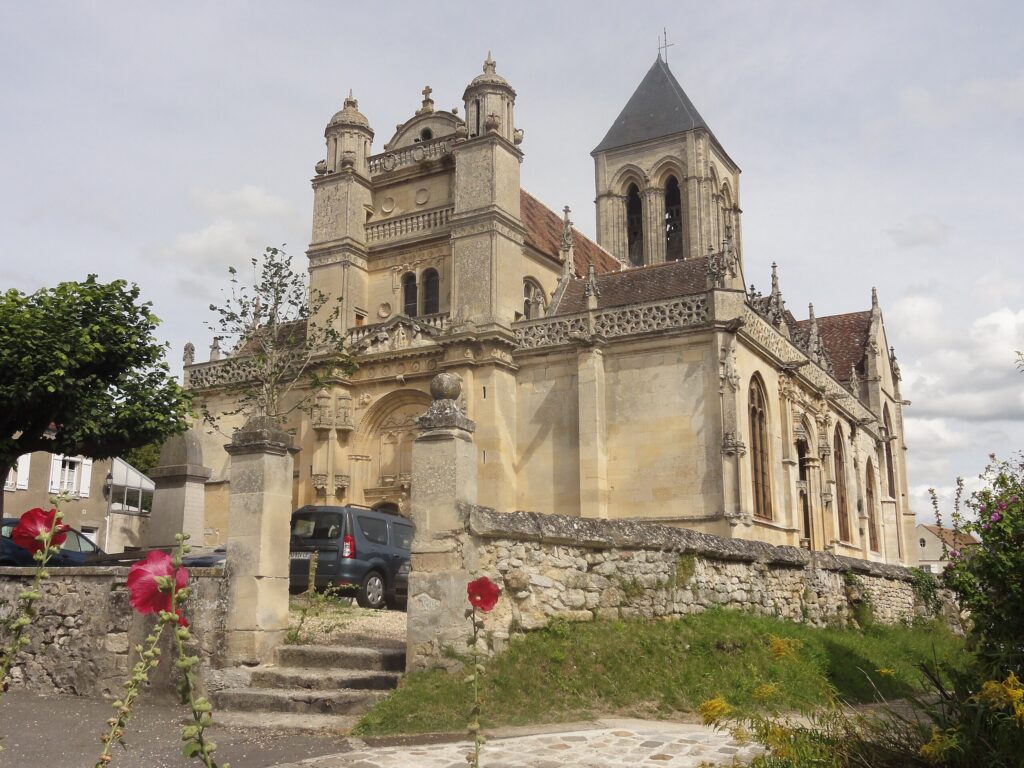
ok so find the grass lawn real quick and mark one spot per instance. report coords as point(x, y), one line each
point(661, 668)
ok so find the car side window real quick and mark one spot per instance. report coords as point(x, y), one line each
point(373, 529)
point(72, 543)
point(401, 535)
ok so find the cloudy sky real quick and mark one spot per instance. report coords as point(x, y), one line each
point(880, 144)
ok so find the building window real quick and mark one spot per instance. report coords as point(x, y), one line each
point(11, 479)
point(869, 500)
point(426, 134)
point(431, 292)
point(634, 226)
point(409, 294)
point(533, 299)
point(890, 475)
point(68, 481)
point(922, 543)
point(839, 470)
point(760, 472)
point(673, 221)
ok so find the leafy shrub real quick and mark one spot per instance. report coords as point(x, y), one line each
point(989, 578)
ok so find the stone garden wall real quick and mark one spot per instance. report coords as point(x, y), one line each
point(579, 569)
point(84, 627)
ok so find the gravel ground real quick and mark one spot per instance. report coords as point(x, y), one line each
point(333, 621)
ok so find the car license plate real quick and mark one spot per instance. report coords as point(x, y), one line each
point(301, 555)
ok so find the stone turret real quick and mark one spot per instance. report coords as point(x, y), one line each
point(342, 194)
point(490, 104)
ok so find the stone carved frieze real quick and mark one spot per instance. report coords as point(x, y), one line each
point(681, 312)
point(732, 445)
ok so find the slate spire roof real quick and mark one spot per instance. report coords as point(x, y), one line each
point(658, 107)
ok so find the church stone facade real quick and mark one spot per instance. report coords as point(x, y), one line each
point(637, 377)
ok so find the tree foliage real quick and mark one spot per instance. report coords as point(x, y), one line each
point(284, 335)
point(81, 372)
point(989, 577)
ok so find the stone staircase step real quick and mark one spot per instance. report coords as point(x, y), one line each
point(287, 721)
point(313, 678)
point(335, 701)
point(341, 657)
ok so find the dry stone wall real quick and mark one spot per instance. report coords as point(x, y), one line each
point(84, 628)
point(576, 569)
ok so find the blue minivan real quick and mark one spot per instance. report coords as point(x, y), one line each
point(361, 550)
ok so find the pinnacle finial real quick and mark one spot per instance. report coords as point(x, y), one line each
point(810, 312)
point(775, 279)
point(489, 64)
point(874, 298)
point(350, 100)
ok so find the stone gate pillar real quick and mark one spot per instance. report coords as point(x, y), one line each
point(179, 498)
point(259, 516)
point(443, 488)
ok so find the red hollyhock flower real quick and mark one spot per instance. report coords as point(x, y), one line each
point(144, 593)
point(483, 594)
point(37, 522)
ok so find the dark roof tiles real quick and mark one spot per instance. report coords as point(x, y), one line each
point(658, 107)
point(638, 285)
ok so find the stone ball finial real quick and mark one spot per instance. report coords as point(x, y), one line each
point(445, 386)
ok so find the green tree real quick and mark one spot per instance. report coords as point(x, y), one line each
point(82, 373)
point(285, 337)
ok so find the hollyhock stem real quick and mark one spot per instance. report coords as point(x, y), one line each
point(194, 735)
point(474, 727)
point(16, 626)
point(149, 657)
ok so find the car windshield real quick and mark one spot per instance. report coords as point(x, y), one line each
point(316, 525)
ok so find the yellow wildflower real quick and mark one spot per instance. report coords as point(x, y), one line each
point(765, 692)
point(938, 746)
point(783, 647)
point(885, 672)
point(714, 710)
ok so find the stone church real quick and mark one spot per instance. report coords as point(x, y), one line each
point(637, 377)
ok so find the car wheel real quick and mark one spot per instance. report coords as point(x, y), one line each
point(371, 591)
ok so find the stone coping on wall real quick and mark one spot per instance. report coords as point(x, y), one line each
point(488, 523)
point(99, 570)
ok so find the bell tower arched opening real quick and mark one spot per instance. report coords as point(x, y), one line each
point(634, 226)
point(675, 241)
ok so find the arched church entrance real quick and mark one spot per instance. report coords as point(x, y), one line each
point(381, 458)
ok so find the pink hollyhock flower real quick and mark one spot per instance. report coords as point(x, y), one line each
point(483, 594)
point(37, 522)
point(954, 554)
point(995, 517)
point(144, 592)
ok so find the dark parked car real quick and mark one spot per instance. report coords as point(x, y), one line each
point(76, 549)
point(360, 549)
point(206, 559)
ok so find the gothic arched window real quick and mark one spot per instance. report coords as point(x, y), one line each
point(409, 294)
point(890, 475)
point(869, 500)
point(760, 468)
point(839, 472)
point(674, 240)
point(431, 292)
point(634, 226)
point(803, 451)
point(533, 299)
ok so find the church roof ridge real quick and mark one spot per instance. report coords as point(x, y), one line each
point(658, 107)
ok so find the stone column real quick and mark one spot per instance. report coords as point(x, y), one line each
point(654, 225)
point(592, 429)
point(179, 498)
point(443, 489)
point(259, 516)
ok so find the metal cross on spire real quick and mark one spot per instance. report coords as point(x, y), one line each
point(664, 44)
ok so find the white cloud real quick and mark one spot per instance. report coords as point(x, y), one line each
point(965, 102)
point(246, 202)
point(920, 232)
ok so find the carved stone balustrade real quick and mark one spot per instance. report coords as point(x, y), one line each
point(413, 225)
point(389, 161)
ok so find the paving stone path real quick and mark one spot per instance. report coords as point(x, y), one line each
point(611, 743)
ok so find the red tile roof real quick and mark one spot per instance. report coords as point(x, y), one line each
point(952, 540)
point(632, 286)
point(845, 338)
point(544, 234)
